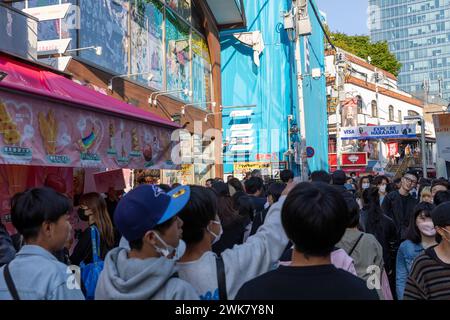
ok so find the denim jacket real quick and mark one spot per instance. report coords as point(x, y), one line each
point(406, 255)
point(38, 275)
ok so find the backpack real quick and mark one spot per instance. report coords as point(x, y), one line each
point(91, 272)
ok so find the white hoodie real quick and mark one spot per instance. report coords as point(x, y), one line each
point(258, 255)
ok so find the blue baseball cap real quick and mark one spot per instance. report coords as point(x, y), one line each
point(147, 206)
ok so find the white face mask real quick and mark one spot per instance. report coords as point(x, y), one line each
point(165, 252)
point(382, 188)
point(216, 236)
point(181, 249)
point(427, 228)
point(365, 185)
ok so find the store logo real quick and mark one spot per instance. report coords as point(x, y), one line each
point(353, 158)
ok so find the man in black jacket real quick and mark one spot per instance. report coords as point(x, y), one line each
point(339, 178)
point(7, 251)
point(399, 204)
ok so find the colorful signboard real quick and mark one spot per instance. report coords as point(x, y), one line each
point(39, 132)
point(442, 128)
point(241, 168)
point(354, 159)
point(398, 131)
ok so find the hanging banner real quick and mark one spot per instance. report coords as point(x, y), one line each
point(392, 149)
point(442, 128)
point(39, 132)
point(379, 132)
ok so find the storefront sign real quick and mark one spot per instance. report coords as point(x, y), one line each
point(236, 127)
point(263, 156)
point(40, 132)
point(247, 133)
point(241, 113)
point(354, 159)
point(52, 46)
point(379, 132)
point(332, 159)
point(442, 128)
point(241, 168)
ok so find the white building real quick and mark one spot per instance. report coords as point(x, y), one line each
point(361, 81)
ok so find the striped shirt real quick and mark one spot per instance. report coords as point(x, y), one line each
point(429, 278)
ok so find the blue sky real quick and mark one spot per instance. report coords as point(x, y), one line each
point(348, 16)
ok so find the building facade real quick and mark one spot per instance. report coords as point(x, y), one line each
point(155, 46)
point(370, 97)
point(269, 91)
point(418, 33)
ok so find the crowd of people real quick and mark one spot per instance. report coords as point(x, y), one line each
point(334, 237)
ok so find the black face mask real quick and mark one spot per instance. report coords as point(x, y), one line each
point(82, 215)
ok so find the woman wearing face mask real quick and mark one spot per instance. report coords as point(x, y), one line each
point(381, 182)
point(93, 210)
point(202, 268)
point(420, 236)
point(363, 184)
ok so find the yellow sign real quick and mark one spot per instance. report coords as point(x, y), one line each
point(243, 167)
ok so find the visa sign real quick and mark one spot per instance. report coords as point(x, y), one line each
point(379, 132)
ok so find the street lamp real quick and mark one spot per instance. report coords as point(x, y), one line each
point(212, 103)
point(421, 121)
point(110, 82)
point(186, 92)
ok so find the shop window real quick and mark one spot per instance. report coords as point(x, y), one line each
point(201, 70)
point(374, 109)
point(400, 118)
point(391, 113)
point(177, 55)
point(105, 24)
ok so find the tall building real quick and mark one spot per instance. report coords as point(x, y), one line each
point(418, 33)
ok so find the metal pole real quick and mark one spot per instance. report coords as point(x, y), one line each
point(424, 157)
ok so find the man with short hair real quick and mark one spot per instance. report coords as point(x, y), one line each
point(320, 176)
point(399, 204)
point(430, 273)
point(256, 173)
point(314, 217)
point(209, 183)
point(254, 188)
point(339, 178)
point(147, 217)
point(287, 176)
point(438, 185)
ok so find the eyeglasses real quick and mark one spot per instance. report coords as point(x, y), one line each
point(412, 181)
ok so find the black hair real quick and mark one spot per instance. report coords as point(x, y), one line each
point(165, 187)
point(413, 233)
point(275, 190)
point(339, 177)
point(196, 215)
point(236, 184)
point(253, 185)
point(314, 217)
point(30, 209)
point(176, 185)
point(321, 176)
point(397, 180)
point(413, 173)
point(246, 207)
point(352, 214)
point(139, 243)
point(360, 182)
point(441, 197)
point(210, 180)
point(379, 179)
point(439, 182)
point(286, 175)
point(371, 200)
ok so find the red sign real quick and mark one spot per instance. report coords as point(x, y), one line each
point(392, 149)
point(354, 159)
point(357, 170)
point(332, 159)
point(263, 156)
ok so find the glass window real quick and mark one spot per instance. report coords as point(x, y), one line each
point(105, 24)
point(359, 104)
point(400, 119)
point(182, 7)
point(177, 55)
point(147, 43)
point(412, 113)
point(374, 109)
point(391, 113)
point(201, 69)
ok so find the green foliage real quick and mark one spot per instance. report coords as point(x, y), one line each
point(362, 47)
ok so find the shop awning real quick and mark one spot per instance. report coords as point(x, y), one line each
point(47, 119)
point(32, 79)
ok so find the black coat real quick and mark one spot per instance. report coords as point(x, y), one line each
point(7, 251)
point(387, 238)
point(393, 208)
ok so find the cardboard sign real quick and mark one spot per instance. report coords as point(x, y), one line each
point(108, 179)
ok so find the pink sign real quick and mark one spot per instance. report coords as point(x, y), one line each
point(39, 132)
